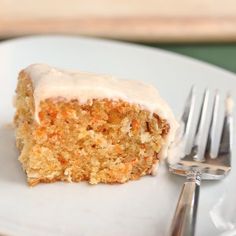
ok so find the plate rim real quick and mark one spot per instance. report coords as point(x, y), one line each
point(175, 56)
point(134, 45)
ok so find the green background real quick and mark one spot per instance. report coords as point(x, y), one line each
point(223, 55)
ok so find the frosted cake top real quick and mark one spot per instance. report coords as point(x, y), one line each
point(50, 82)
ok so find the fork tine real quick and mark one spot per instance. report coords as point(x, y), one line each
point(200, 125)
point(188, 109)
point(211, 168)
point(212, 124)
point(186, 119)
point(225, 146)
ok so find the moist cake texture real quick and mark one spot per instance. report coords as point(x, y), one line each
point(74, 126)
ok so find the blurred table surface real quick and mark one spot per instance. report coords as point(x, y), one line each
point(140, 21)
point(184, 22)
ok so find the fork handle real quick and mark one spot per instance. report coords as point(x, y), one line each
point(184, 220)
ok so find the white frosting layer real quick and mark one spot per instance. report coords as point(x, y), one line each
point(49, 82)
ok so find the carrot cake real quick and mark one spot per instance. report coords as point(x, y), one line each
point(76, 126)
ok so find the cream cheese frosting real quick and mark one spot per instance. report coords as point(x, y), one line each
point(50, 82)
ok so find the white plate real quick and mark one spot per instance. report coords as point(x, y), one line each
point(138, 208)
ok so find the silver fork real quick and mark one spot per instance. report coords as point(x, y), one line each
point(200, 164)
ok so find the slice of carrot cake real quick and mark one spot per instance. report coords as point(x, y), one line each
point(75, 126)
